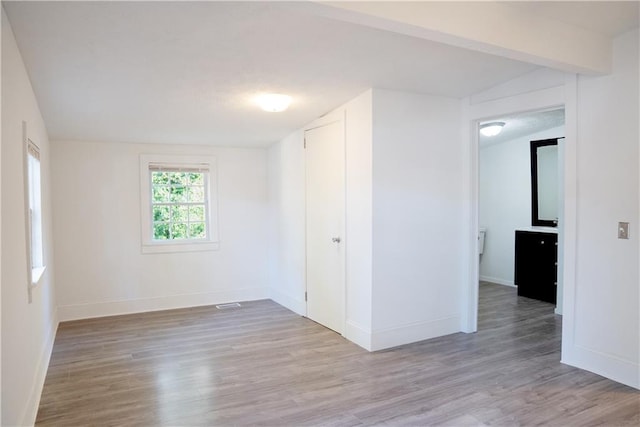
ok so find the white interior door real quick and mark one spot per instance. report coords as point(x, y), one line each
point(325, 207)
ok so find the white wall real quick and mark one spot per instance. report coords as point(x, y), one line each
point(417, 210)
point(606, 299)
point(359, 227)
point(100, 268)
point(287, 222)
point(28, 330)
point(505, 201)
point(2, 17)
point(287, 282)
point(600, 273)
point(403, 204)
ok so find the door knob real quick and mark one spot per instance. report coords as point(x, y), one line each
point(335, 239)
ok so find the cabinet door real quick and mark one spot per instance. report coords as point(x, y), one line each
point(535, 266)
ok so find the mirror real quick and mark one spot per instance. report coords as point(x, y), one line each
point(544, 182)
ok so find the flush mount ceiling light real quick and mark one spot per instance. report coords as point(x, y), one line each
point(273, 102)
point(491, 129)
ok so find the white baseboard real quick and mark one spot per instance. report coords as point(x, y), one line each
point(358, 335)
point(168, 302)
point(613, 367)
point(297, 305)
point(498, 281)
point(418, 331)
point(31, 408)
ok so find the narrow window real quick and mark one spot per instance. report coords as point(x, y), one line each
point(33, 207)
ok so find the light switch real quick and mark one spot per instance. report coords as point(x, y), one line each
point(623, 230)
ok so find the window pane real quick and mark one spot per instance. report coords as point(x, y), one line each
point(178, 178)
point(160, 213)
point(196, 178)
point(178, 194)
point(161, 231)
point(196, 213)
point(179, 213)
point(179, 231)
point(35, 211)
point(159, 178)
point(197, 230)
point(160, 194)
point(196, 194)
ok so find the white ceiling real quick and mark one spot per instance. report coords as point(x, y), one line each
point(522, 124)
point(185, 72)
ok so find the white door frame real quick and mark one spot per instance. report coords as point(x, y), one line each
point(536, 100)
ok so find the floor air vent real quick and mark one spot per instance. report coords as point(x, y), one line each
point(226, 306)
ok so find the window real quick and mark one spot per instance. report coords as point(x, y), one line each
point(178, 203)
point(33, 208)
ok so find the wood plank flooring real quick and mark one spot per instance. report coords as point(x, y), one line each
point(264, 365)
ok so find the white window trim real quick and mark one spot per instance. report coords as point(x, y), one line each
point(150, 246)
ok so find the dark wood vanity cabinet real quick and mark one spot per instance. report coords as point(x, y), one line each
point(536, 265)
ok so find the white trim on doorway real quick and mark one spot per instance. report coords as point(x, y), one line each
point(553, 97)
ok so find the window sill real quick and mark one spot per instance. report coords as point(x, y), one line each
point(173, 247)
point(36, 275)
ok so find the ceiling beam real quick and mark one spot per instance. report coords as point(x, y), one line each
point(490, 27)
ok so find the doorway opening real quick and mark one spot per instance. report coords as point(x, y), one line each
point(517, 257)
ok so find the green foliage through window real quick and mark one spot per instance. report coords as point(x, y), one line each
point(178, 205)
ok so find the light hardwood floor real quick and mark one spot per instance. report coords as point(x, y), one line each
point(264, 365)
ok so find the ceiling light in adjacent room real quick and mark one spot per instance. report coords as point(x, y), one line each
point(273, 102)
point(491, 129)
